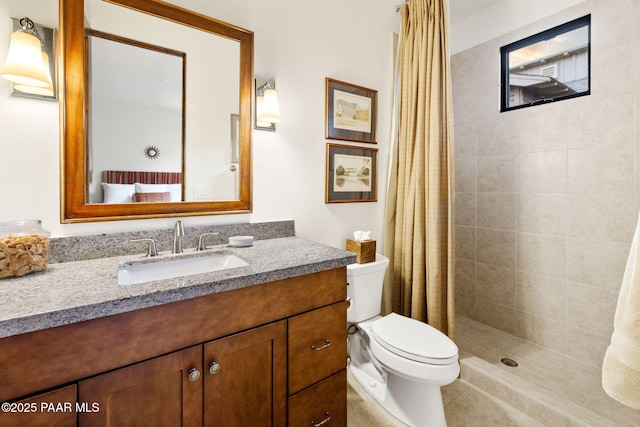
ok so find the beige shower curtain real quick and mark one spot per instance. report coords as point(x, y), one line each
point(419, 229)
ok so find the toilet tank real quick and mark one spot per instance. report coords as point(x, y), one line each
point(364, 287)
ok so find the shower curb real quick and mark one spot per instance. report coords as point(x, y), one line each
point(548, 410)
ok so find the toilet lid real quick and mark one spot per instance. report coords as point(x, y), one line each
point(414, 340)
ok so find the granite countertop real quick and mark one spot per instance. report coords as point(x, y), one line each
point(71, 292)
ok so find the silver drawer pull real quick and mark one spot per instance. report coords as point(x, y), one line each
point(326, 420)
point(326, 344)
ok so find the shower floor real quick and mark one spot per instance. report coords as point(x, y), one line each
point(553, 389)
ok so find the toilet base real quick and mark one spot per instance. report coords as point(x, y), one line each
point(416, 403)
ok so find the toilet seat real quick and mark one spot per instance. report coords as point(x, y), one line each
point(414, 340)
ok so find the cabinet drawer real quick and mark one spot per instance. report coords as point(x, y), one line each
point(325, 401)
point(317, 345)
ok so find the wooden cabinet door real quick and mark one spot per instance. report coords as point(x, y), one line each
point(245, 378)
point(157, 392)
point(55, 408)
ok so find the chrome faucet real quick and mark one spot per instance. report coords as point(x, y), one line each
point(178, 234)
point(202, 245)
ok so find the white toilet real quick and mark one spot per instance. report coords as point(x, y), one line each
point(401, 362)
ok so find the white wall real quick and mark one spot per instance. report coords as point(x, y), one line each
point(296, 43)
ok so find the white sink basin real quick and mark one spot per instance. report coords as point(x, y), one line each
point(169, 268)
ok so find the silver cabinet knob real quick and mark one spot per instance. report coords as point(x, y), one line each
point(214, 368)
point(194, 374)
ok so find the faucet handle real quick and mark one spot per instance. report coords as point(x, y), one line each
point(151, 249)
point(202, 245)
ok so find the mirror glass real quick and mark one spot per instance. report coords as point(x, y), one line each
point(139, 87)
point(168, 109)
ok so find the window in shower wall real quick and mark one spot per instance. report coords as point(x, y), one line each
point(546, 67)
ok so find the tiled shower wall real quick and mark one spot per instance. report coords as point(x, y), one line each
point(547, 196)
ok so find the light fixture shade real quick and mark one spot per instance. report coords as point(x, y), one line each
point(24, 63)
point(259, 104)
point(37, 90)
point(270, 111)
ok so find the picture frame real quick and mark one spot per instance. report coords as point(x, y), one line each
point(352, 174)
point(350, 112)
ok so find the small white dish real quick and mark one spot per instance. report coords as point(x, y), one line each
point(241, 241)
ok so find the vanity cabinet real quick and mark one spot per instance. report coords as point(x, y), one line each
point(272, 354)
point(233, 381)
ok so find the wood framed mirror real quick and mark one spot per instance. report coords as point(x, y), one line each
point(83, 167)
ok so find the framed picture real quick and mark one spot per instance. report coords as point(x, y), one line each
point(351, 112)
point(352, 174)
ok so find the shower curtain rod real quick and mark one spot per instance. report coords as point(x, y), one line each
point(398, 6)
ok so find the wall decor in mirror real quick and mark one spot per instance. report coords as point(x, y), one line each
point(548, 66)
point(151, 74)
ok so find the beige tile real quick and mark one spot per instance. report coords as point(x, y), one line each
point(465, 277)
point(497, 210)
point(543, 129)
point(544, 172)
point(466, 243)
point(477, 408)
point(591, 308)
point(497, 174)
point(602, 216)
point(465, 141)
point(553, 389)
point(600, 168)
point(465, 305)
point(496, 284)
point(611, 410)
point(542, 296)
point(550, 416)
point(586, 123)
point(498, 137)
point(466, 209)
point(542, 331)
point(496, 247)
point(363, 410)
point(453, 390)
point(543, 213)
point(465, 175)
point(542, 254)
point(586, 346)
point(597, 263)
point(496, 315)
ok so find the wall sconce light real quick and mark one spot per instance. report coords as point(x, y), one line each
point(28, 64)
point(267, 111)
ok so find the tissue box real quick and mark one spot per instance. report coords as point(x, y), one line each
point(365, 250)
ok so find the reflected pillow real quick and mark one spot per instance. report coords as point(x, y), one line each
point(152, 197)
point(175, 190)
point(117, 193)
